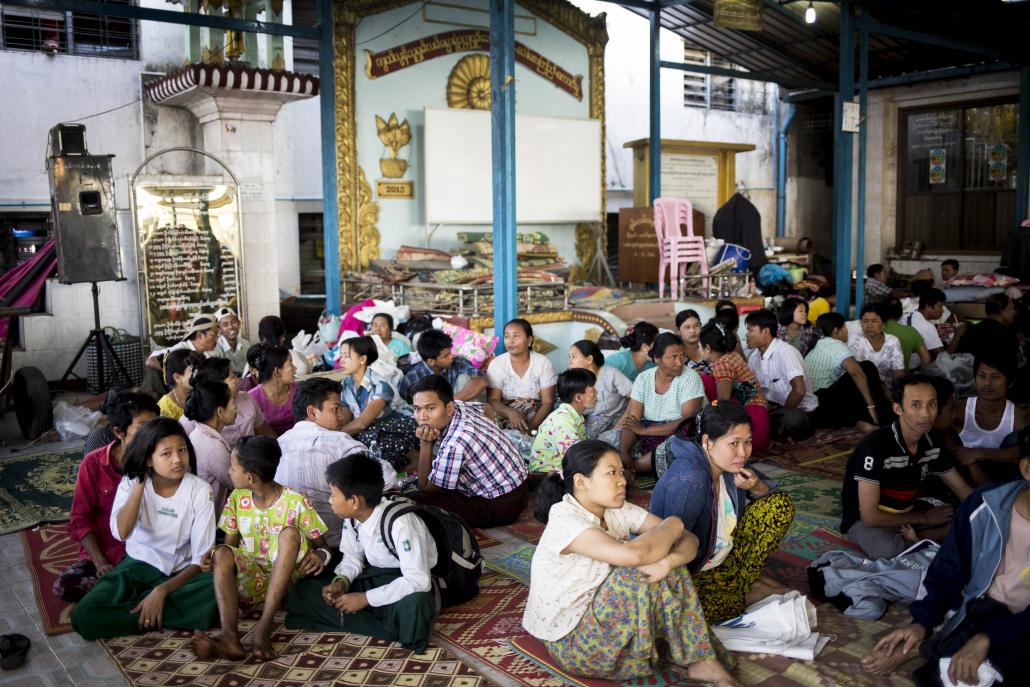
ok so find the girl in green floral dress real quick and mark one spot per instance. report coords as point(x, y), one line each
point(267, 533)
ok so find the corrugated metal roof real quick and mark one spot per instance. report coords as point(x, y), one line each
point(788, 46)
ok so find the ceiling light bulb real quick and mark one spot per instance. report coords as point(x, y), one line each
point(810, 14)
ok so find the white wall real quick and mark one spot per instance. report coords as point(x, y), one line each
point(627, 88)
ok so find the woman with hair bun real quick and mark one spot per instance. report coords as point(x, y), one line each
point(277, 382)
point(212, 406)
point(610, 593)
point(636, 354)
point(733, 380)
point(736, 513)
point(612, 387)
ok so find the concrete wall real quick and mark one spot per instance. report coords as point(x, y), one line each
point(59, 88)
point(627, 88)
point(882, 143)
point(52, 89)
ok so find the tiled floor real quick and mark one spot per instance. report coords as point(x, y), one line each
point(67, 660)
point(57, 661)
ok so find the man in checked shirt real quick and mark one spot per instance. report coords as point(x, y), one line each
point(466, 464)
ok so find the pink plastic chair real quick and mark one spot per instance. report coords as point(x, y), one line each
point(676, 250)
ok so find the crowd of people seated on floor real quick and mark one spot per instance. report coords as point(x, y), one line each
point(228, 487)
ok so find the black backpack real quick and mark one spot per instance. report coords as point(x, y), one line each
point(458, 563)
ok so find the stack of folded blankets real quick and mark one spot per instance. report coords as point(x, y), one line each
point(534, 250)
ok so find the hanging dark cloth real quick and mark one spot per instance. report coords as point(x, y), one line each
point(738, 221)
point(1015, 256)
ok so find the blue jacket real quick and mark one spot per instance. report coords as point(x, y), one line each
point(965, 566)
point(687, 490)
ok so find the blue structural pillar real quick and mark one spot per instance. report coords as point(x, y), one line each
point(327, 112)
point(781, 170)
point(842, 148)
point(502, 116)
point(1023, 146)
point(654, 178)
point(863, 104)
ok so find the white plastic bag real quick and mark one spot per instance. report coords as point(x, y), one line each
point(780, 624)
point(74, 422)
point(956, 368)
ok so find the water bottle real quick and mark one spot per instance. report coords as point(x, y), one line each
point(374, 449)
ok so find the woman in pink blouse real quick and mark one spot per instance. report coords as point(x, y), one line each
point(277, 377)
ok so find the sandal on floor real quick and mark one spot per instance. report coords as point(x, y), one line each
point(13, 649)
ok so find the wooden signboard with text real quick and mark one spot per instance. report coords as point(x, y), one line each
point(638, 245)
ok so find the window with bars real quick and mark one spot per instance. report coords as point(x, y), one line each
point(719, 92)
point(70, 33)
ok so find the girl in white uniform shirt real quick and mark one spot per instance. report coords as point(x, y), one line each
point(165, 515)
point(606, 605)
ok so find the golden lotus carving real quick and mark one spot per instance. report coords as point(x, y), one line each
point(468, 86)
point(394, 136)
point(590, 31)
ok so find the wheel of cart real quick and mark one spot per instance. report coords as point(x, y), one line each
point(31, 395)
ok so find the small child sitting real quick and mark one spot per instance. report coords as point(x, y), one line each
point(267, 528)
point(374, 592)
point(566, 425)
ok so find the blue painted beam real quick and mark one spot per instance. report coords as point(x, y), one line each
point(327, 115)
point(1023, 147)
point(502, 116)
point(654, 180)
point(167, 16)
point(863, 108)
point(842, 150)
point(787, 81)
point(781, 171)
point(930, 39)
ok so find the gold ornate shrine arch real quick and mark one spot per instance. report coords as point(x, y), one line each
point(358, 211)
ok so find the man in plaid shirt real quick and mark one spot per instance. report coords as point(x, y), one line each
point(476, 471)
point(875, 289)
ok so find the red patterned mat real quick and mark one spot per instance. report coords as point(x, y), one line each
point(826, 453)
point(312, 659)
point(49, 551)
point(484, 539)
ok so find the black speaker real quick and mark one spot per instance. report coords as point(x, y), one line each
point(68, 139)
point(83, 207)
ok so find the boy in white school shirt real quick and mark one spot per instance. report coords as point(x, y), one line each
point(373, 592)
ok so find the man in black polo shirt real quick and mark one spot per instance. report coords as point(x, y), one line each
point(883, 482)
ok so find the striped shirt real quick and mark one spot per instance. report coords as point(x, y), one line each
point(825, 362)
point(474, 457)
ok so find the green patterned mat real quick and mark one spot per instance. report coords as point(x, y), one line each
point(37, 488)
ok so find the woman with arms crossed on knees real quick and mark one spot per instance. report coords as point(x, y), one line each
point(165, 515)
point(602, 603)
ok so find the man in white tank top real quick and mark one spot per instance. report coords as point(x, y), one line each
point(988, 419)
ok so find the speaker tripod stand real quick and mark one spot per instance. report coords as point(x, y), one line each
point(99, 339)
